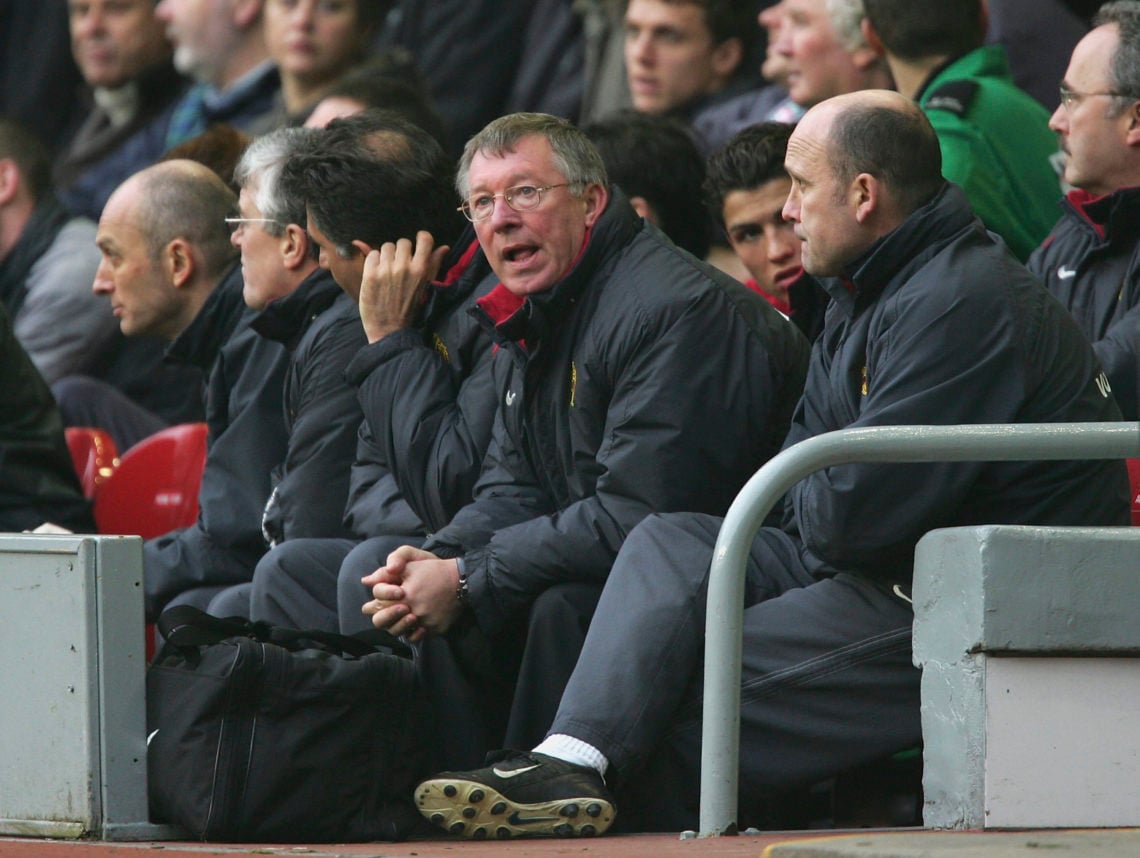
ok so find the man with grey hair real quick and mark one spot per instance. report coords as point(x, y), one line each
point(825, 51)
point(220, 44)
point(301, 306)
point(1091, 261)
point(932, 321)
point(630, 378)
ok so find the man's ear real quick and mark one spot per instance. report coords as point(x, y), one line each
point(178, 258)
point(363, 247)
point(245, 13)
point(871, 36)
point(10, 180)
point(727, 57)
point(596, 198)
point(644, 209)
point(864, 195)
point(1132, 136)
point(295, 247)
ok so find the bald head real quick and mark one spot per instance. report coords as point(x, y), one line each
point(860, 164)
point(184, 199)
point(887, 135)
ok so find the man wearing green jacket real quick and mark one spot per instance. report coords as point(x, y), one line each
point(995, 138)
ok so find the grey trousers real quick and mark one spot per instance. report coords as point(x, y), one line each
point(827, 680)
point(315, 583)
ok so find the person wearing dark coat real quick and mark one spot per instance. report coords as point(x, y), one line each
point(1091, 260)
point(38, 484)
point(124, 57)
point(168, 270)
point(932, 321)
point(630, 379)
point(300, 306)
point(422, 378)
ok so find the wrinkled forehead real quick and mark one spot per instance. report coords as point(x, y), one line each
point(529, 160)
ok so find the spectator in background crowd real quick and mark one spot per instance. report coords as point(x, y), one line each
point(770, 103)
point(745, 189)
point(314, 44)
point(469, 52)
point(40, 85)
point(1091, 261)
point(47, 262)
point(825, 52)
point(123, 54)
point(383, 83)
point(995, 139)
point(828, 682)
point(684, 56)
point(653, 159)
point(220, 45)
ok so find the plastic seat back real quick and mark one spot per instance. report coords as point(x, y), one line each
point(94, 455)
point(1134, 480)
point(155, 488)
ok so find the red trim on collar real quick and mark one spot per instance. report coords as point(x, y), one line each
point(500, 303)
point(783, 306)
point(456, 270)
point(1081, 200)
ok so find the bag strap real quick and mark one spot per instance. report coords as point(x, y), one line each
point(186, 627)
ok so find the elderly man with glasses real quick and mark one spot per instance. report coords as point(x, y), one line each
point(631, 379)
point(1091, 261)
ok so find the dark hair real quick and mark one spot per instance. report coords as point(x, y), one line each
point(374, 84)
point(655, 157)
point(375, 177)
point(31, 156)
point(913, 29)
point(751, 158)
point(219, 147)
point(727, 19)
point(1124, 69)
point(897, 146)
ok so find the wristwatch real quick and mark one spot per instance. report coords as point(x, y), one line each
point(462, 593)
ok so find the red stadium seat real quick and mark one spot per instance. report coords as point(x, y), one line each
point(94, 456)
point(155, 488)
point(1134, 479)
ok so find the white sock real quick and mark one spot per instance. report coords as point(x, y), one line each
point(575, 751)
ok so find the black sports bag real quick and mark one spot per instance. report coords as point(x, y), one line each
point(263, 734)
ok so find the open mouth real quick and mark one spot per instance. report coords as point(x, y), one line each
point(520, 254)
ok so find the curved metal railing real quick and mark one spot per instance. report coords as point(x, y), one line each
point(725, 611)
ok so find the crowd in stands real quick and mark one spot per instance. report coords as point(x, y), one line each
point(491, 308)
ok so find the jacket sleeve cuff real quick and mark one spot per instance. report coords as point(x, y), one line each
point(365, 361)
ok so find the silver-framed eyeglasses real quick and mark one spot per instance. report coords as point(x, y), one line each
point(1072, 97)
point(236, 223)
point(521, 198)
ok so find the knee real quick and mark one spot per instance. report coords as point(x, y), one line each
point(565, 606)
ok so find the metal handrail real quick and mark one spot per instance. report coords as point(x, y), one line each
point(720, 765)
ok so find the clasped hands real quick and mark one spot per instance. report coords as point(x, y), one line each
point(414, 594)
